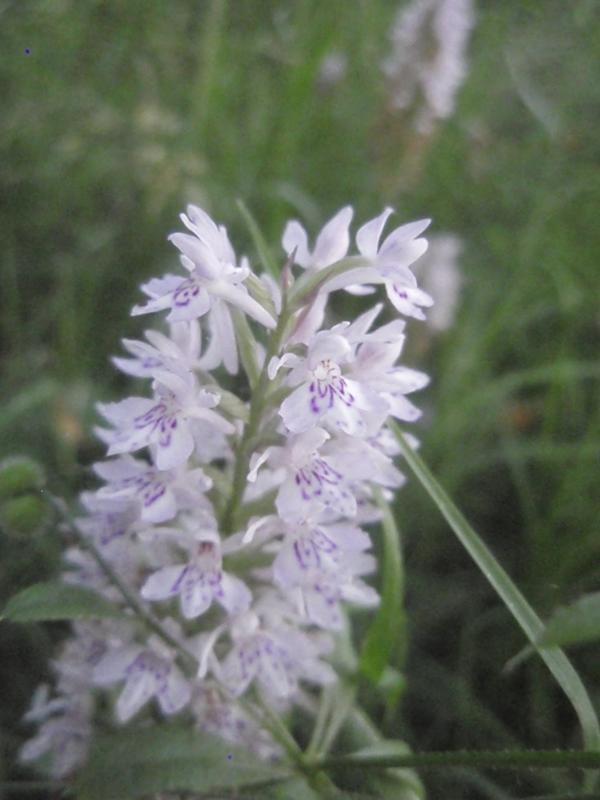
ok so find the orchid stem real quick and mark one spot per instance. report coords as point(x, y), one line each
point(228, 521)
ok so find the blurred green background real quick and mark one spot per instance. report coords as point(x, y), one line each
point(115, 114)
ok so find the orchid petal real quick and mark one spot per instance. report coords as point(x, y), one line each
point(295, 239)
point(333, 240)
point(367, 237)
point(240, 298)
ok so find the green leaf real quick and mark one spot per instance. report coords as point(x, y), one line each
point(55, 601)
point(296, 788)
point(389, 623)
point(310, 283)
point(136, 762)
point(556, 661)
point(260, 293)
point(259, 241)
point(246, 346)
point(391, 686)
point(574, 624)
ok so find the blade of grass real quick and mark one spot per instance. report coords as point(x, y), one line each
point(555, 659)
point(207, 74)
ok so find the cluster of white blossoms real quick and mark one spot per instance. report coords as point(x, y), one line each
point(428, 65)
point(236, 526)
point(442, 277)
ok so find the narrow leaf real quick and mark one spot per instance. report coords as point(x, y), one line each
point(260, 293)
point(297, 788)
point(57, 601)
point(138, 762)
point(388, 625)
point(574, 624)
point(310, 283)
point(556, 661)
point(247, 347)
point(259, 241)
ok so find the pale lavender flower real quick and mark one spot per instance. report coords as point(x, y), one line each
point(274, 654)
point(442, 278)
point(224, 717)
point(318, 566)
point(428, 64)
point(214, 280)
point(158, 495)
point(311, 481)
point(331, 245)
point(333, 69)
point(390, 262)
point(326, 396)
point(199, 583)
point(65, 720)
point(165, 422)
point(148, 672)
point(348, 379)
point(65, 736)
point(108, 519)
point(179, 350)
point(310, 546)
point(318, 597)
point(321, 473)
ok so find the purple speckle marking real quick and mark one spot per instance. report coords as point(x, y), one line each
point(325, 392)
point(186, 292)
point(229, 756)
point(27, 51)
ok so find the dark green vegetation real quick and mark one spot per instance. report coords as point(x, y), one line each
point(123, 111)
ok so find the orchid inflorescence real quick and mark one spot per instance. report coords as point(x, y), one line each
point(240, 531)
point(428, 64)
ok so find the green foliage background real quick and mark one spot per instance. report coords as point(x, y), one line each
point(124, 111)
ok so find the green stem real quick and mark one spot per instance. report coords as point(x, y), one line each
point(312, 281)
point(318, 780)
point(507, 759)
point(279, 730)
point(299, 294)
point(228, 521)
